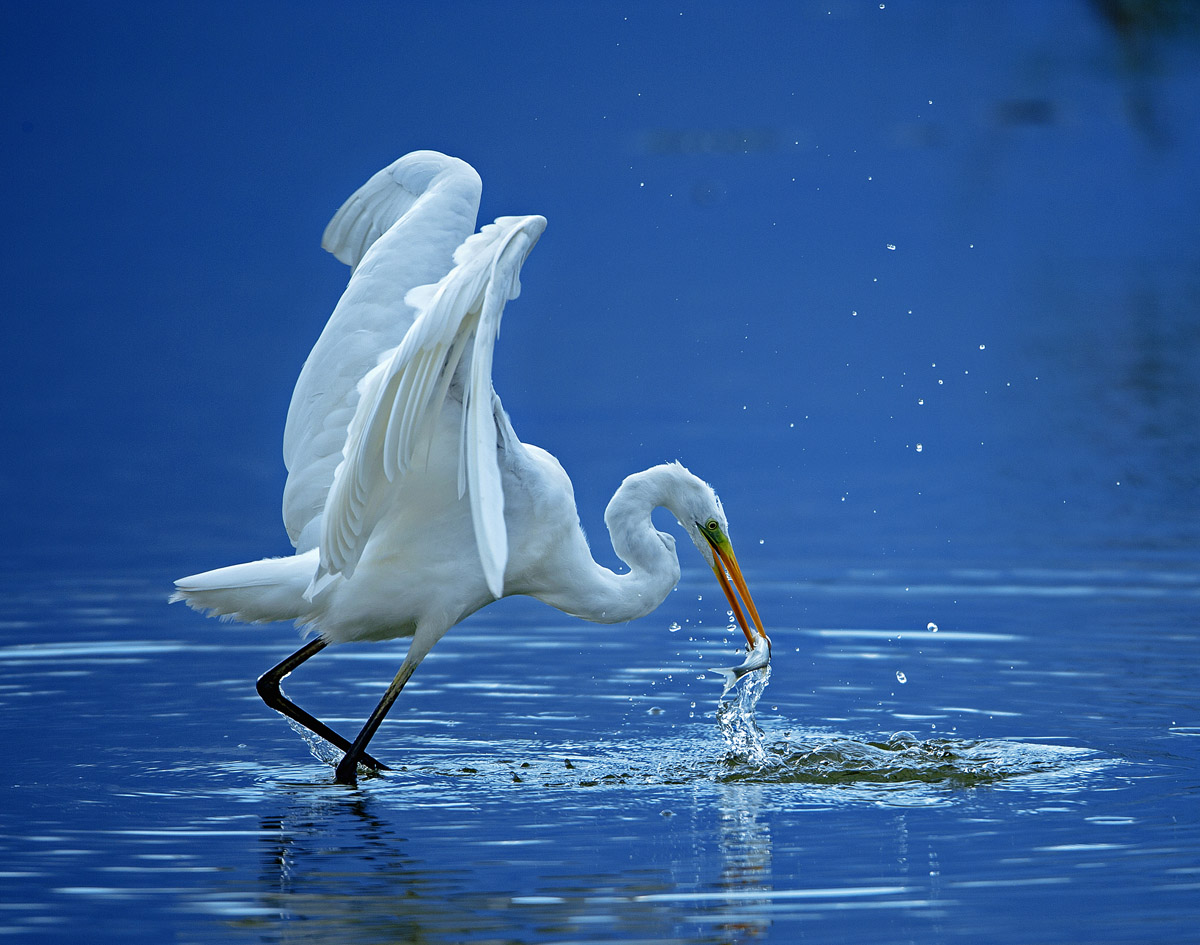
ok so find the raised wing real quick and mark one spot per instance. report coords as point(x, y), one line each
point(401, 401)
point(399, 230)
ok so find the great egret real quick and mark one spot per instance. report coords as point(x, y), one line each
point(409, 499)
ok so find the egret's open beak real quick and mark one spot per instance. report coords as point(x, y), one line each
point(726, 568)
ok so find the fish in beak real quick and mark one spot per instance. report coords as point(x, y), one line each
point(729, 576)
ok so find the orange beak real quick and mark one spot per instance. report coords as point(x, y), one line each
point(729, 575)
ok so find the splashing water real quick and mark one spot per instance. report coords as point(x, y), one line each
point(735, 719)
point(322, 750)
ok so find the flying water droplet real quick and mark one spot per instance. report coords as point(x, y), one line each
point(900, 677)
point(931, 627)
point(674, 628)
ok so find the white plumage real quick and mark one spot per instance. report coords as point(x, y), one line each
point(410, 500)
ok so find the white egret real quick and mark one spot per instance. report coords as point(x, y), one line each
point(409, 499)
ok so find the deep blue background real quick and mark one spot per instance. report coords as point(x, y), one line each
point(715, 285)
point(915, 285)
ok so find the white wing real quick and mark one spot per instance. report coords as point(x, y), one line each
point(397, 231)
point(401, 400)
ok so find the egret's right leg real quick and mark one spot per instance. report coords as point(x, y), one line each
point(272, 695)
point(356, 754)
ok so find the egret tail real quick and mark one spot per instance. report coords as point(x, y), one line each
point(255, 592)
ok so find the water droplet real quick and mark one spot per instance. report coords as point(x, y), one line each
point(983, 347)
point(891, 245)
point(673, 628)
point(920, 447)
point(931, 627)
point(921, 401)
point(900, 677)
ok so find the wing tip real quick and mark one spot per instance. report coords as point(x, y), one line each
point(387, 195)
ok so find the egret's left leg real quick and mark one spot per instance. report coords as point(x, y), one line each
point(272, 694)
point(347, 769)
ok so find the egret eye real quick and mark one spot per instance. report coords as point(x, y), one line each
point(712, 525)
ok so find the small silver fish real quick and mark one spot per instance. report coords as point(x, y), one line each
point(756, 658)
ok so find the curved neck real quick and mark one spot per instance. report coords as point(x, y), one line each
point(595, 593)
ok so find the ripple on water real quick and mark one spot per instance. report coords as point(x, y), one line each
point(900, 769)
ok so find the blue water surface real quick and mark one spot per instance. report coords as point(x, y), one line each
point(914, 286)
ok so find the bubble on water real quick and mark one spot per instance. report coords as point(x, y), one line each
point(900, 677)
point(931, 627)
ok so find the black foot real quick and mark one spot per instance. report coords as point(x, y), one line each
point(346, 772)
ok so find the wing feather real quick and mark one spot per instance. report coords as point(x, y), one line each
point(401, 399)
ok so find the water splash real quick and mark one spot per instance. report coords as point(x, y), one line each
point(736, 722)
point(322, 750)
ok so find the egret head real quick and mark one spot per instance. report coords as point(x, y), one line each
point(699, 511)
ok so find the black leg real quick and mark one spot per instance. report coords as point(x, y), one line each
point(272, 695)
point(347, 769)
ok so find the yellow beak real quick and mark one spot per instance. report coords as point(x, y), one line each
point(726, 568)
